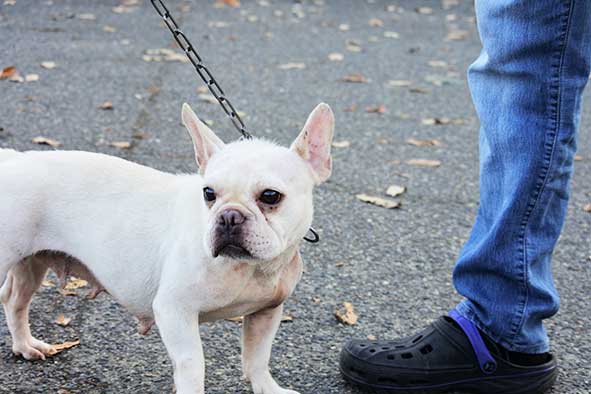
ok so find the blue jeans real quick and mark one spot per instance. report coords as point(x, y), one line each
point(526, 86)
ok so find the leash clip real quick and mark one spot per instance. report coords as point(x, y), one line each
point(316, 237)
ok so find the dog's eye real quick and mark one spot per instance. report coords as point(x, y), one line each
point(208, 194)
point(270, 197)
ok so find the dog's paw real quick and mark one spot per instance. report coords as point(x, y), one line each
point(33, 349)
point(271, 387)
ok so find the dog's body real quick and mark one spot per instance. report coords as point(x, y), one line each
point(150, 240)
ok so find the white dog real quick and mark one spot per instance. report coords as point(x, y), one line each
point(176, 250)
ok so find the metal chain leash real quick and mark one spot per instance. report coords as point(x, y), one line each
point(201, 69)
point(209, 80)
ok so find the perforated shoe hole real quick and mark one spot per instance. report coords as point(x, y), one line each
point(362, 345)
point(406, 355)
point(427, 349)
point(372, 350)
point(385, 348)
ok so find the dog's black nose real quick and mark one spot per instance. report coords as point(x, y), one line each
point(231, 218)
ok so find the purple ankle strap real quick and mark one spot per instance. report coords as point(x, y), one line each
point(487, 363)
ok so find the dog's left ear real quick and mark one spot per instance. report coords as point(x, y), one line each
point(206, 143)
point(314, 142)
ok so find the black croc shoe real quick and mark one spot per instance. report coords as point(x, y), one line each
point(449, 355)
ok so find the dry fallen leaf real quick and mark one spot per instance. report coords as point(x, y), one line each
point(48, 65)
point(292, 66)
point(67, 293)
point(140, 135)
point(208, 98)
point(341, 144)
point(376, 22)
point(380, 109)
point(395, 190)
point(418, 89)
point(587, 208)
point(344, 27)
point(436, 121)
point(107, 105)
point(46, 141)
point(229, 3)
point(398, 83)
point(75, 283)
point(417, 142)
point(381, 202)
point(355, 78)
point(31, 77)
point(424, 10)
point(424, 162)
point(391, 34)
point(346, 314)
point(371, 337)
point(339, 264)
point(578, 158)
point(109, 29)
point(121, 144)
point(457, 35)
point(237, 319)
point(286, 319)
point(63, 320)
point(336, 57)
point(353, 46)
point(63, 346)
point(8, 72)
point(437, 63)
point(164, 54)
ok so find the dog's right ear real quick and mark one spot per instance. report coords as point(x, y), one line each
point(206, 143)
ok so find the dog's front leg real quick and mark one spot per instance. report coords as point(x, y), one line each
point(258, 332)
point(180, 333)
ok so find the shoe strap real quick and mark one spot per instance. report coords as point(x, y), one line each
point(487, 363)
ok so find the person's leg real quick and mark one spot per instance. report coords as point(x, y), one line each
point(526, 86)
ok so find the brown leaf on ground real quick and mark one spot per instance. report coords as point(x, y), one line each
point(424, 163)
point(578, 158)
point(109, 29)
point(376, 22)
point(286, 319)
point(437, 63)
point(229, 3)
point(395, 190)
point(48, 65)
point(424, 10)
point(63, 320)
point(140, 135)
point(341, 144)
point(380, 202)
point(354, 78)
point(107, 105)
point(292, 66)
point(335, 57)
point(47, 283)
point(436, 121)
point(417, 142)
point(75, 283)
point(346, 314)
point(58, 348)
point(8, 72)
point(121, 144)
point(339, 264)
point(399, 83)
point(31, 77)
point(237, 319)
point(371, 337)
point(418, 89)
point(457, 35)
point(353, 46)
point(380, 109)
point(587, 208)
point(164, 54)
point(46, 141)
point(67, 293)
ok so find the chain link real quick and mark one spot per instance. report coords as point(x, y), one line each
point(201, 69)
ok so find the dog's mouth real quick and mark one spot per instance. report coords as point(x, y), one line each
point(231, 250)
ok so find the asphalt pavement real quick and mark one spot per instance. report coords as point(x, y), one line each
point(277, 60)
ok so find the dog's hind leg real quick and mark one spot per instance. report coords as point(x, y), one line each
point(16, 294)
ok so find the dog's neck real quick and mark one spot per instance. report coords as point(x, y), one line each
point(270, 267)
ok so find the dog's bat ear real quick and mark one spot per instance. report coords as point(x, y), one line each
point(205, 142)
point(315, 140)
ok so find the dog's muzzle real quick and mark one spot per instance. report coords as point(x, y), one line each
point(229, 234)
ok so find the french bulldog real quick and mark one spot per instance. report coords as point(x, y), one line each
point(175, 250)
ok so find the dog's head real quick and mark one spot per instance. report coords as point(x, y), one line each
point(259, 194)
